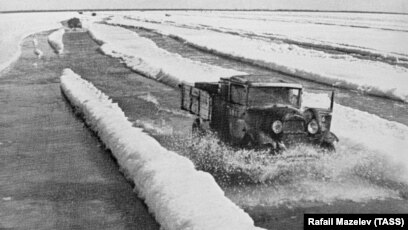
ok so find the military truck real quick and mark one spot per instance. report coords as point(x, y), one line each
point(259, 111)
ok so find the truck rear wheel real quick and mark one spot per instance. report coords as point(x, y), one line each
point(200, 127)
point(196, 127)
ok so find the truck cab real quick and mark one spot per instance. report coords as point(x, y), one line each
point(259, 111)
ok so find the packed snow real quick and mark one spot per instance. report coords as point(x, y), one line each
point(144, 56)
point(179, 196)
point(376, 34)
point(55, 40)
point(14, 27)
point(342, 70)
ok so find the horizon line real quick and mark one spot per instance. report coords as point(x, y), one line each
point(198, 9)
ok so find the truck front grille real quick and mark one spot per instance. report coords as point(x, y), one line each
point(293, 126)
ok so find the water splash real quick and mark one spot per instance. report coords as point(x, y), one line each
point(301, 174)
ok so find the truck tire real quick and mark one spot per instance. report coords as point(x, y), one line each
point(330, 147)
point(200, 127)
point(246, 141)
point(196, 127)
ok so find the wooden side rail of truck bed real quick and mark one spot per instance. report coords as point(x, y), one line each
point(196, 101)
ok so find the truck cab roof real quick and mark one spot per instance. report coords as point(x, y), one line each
point(261, 81)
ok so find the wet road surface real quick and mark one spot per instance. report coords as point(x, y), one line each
point(54, 173)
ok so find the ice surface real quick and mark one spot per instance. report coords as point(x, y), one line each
point(14, 27)
point(380, 34)
point(55, 40)
point(143, 55)
point(370, 76)
point(179, 196)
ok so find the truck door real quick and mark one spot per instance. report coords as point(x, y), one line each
point(219, 121)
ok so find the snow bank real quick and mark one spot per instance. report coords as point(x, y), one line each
point(15, 27)
point(378, 35)
point(179, 196)
point(143, 56)
point(372, 77)
point(55, 40)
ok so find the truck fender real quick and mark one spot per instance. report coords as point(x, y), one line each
point(264, 139)
point(330, 137)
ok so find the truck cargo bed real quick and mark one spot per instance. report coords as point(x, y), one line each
point(196, 101)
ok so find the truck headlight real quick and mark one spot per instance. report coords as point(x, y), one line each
point(313, 127)
point(277, 127)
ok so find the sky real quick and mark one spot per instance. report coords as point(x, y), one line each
point(398, 6)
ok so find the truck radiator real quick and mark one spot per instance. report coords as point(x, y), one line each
point(293, 126)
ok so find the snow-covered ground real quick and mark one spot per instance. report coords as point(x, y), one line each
point(14, 27)
point(143, 55)
point(179, 196)
point(55, 40)
point(344, 70)
point(367, 33)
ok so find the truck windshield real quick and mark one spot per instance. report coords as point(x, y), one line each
point(266, 96)
point(318, 98)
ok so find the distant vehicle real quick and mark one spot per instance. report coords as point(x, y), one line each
point(74, 23)
point(259, 111)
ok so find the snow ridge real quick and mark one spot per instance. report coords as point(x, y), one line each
point(145, 57)
point(179, 196)
point(55, 40)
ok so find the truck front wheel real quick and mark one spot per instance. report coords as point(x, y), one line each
point(329, 146)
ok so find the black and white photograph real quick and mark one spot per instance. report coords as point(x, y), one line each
point(203, 114)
